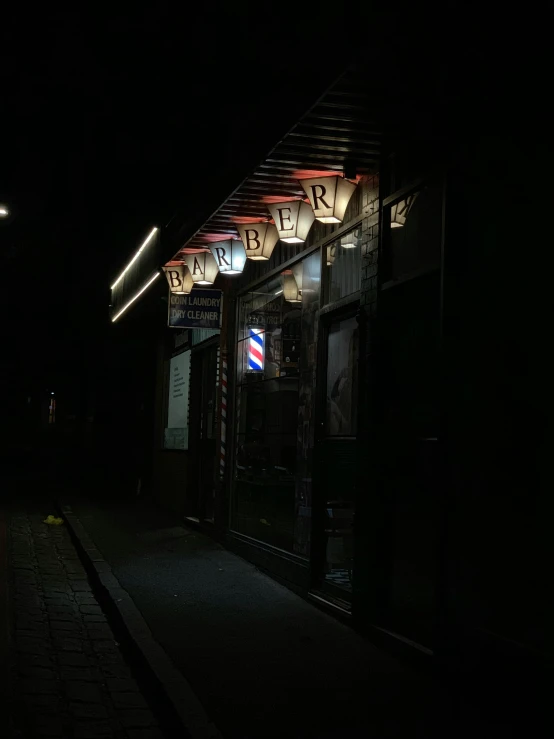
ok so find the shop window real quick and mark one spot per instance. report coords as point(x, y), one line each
point(343, 259)
point(412, 233)
point(342, 378)
point(176, 431)
point(275, 390)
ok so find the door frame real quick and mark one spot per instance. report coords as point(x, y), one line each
point(196, 390)
point(346, 308)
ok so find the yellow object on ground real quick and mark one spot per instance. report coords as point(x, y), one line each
point(53, 521)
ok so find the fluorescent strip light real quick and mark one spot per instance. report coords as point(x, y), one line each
point(133, 260)
point(150, 281)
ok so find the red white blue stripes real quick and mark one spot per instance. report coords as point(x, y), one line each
point(255, 349)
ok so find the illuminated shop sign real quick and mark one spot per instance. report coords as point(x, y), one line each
point(256, 354)
point(199, 309)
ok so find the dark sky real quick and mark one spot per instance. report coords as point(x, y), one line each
point(109, 123)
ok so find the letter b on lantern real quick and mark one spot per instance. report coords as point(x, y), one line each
point(259, 239)
point(179, 279)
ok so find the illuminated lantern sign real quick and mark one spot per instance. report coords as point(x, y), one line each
point(292, 291)
point(255, 349)
point(229, 255)
point(293, 220)
point(259, 239)
point(179, 279)
point(329, 197)
point(399, 212)
point(202, 267)
point(331, 254)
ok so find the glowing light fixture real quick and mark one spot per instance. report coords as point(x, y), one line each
point(122, 311)
point(331, 254)
point(133, 260)
point(230, 256)
point(203, 268)
point(179, 279)
point(4, 211)
point(291, 291)
point(350, 241)
point(259, 239)
point(329, 197)
point(399, 211)
point(293, 220)
point(256, 349)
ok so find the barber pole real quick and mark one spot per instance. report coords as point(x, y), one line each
point(255, 349)
point(223, 417)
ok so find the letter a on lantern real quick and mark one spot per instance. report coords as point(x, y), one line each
point(329, 197)
point(203, 268)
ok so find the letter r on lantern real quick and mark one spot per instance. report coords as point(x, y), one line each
point(220, 251)
point(321, 195)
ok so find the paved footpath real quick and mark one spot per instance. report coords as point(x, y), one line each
point(68, 677)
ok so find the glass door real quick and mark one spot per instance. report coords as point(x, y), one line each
point(203, 425)
point(337, 465)
point(208, 414)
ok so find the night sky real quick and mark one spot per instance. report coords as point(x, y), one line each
point(110, 124)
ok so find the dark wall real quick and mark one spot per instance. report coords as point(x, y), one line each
point(499, 397)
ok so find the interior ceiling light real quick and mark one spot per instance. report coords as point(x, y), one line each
point(350, 241)
point(291, 291)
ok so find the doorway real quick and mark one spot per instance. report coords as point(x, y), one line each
point(333, 535)
point(203, 432)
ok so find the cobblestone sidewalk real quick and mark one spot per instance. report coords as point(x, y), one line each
point(69, 678)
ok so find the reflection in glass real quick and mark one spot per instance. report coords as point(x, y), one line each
point(342, 377)
point(414, 241)
point(399, 211)
point(275, 375)
point(343, 259)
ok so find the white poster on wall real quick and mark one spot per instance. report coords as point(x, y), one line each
point(176, 433)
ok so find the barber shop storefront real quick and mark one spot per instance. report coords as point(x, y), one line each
point(296, 390)
point(272, 411)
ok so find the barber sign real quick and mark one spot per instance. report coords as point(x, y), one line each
point(255, 349)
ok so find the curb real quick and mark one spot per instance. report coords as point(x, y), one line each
point(179, 695)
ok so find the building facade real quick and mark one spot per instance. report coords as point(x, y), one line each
point(326, 427)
